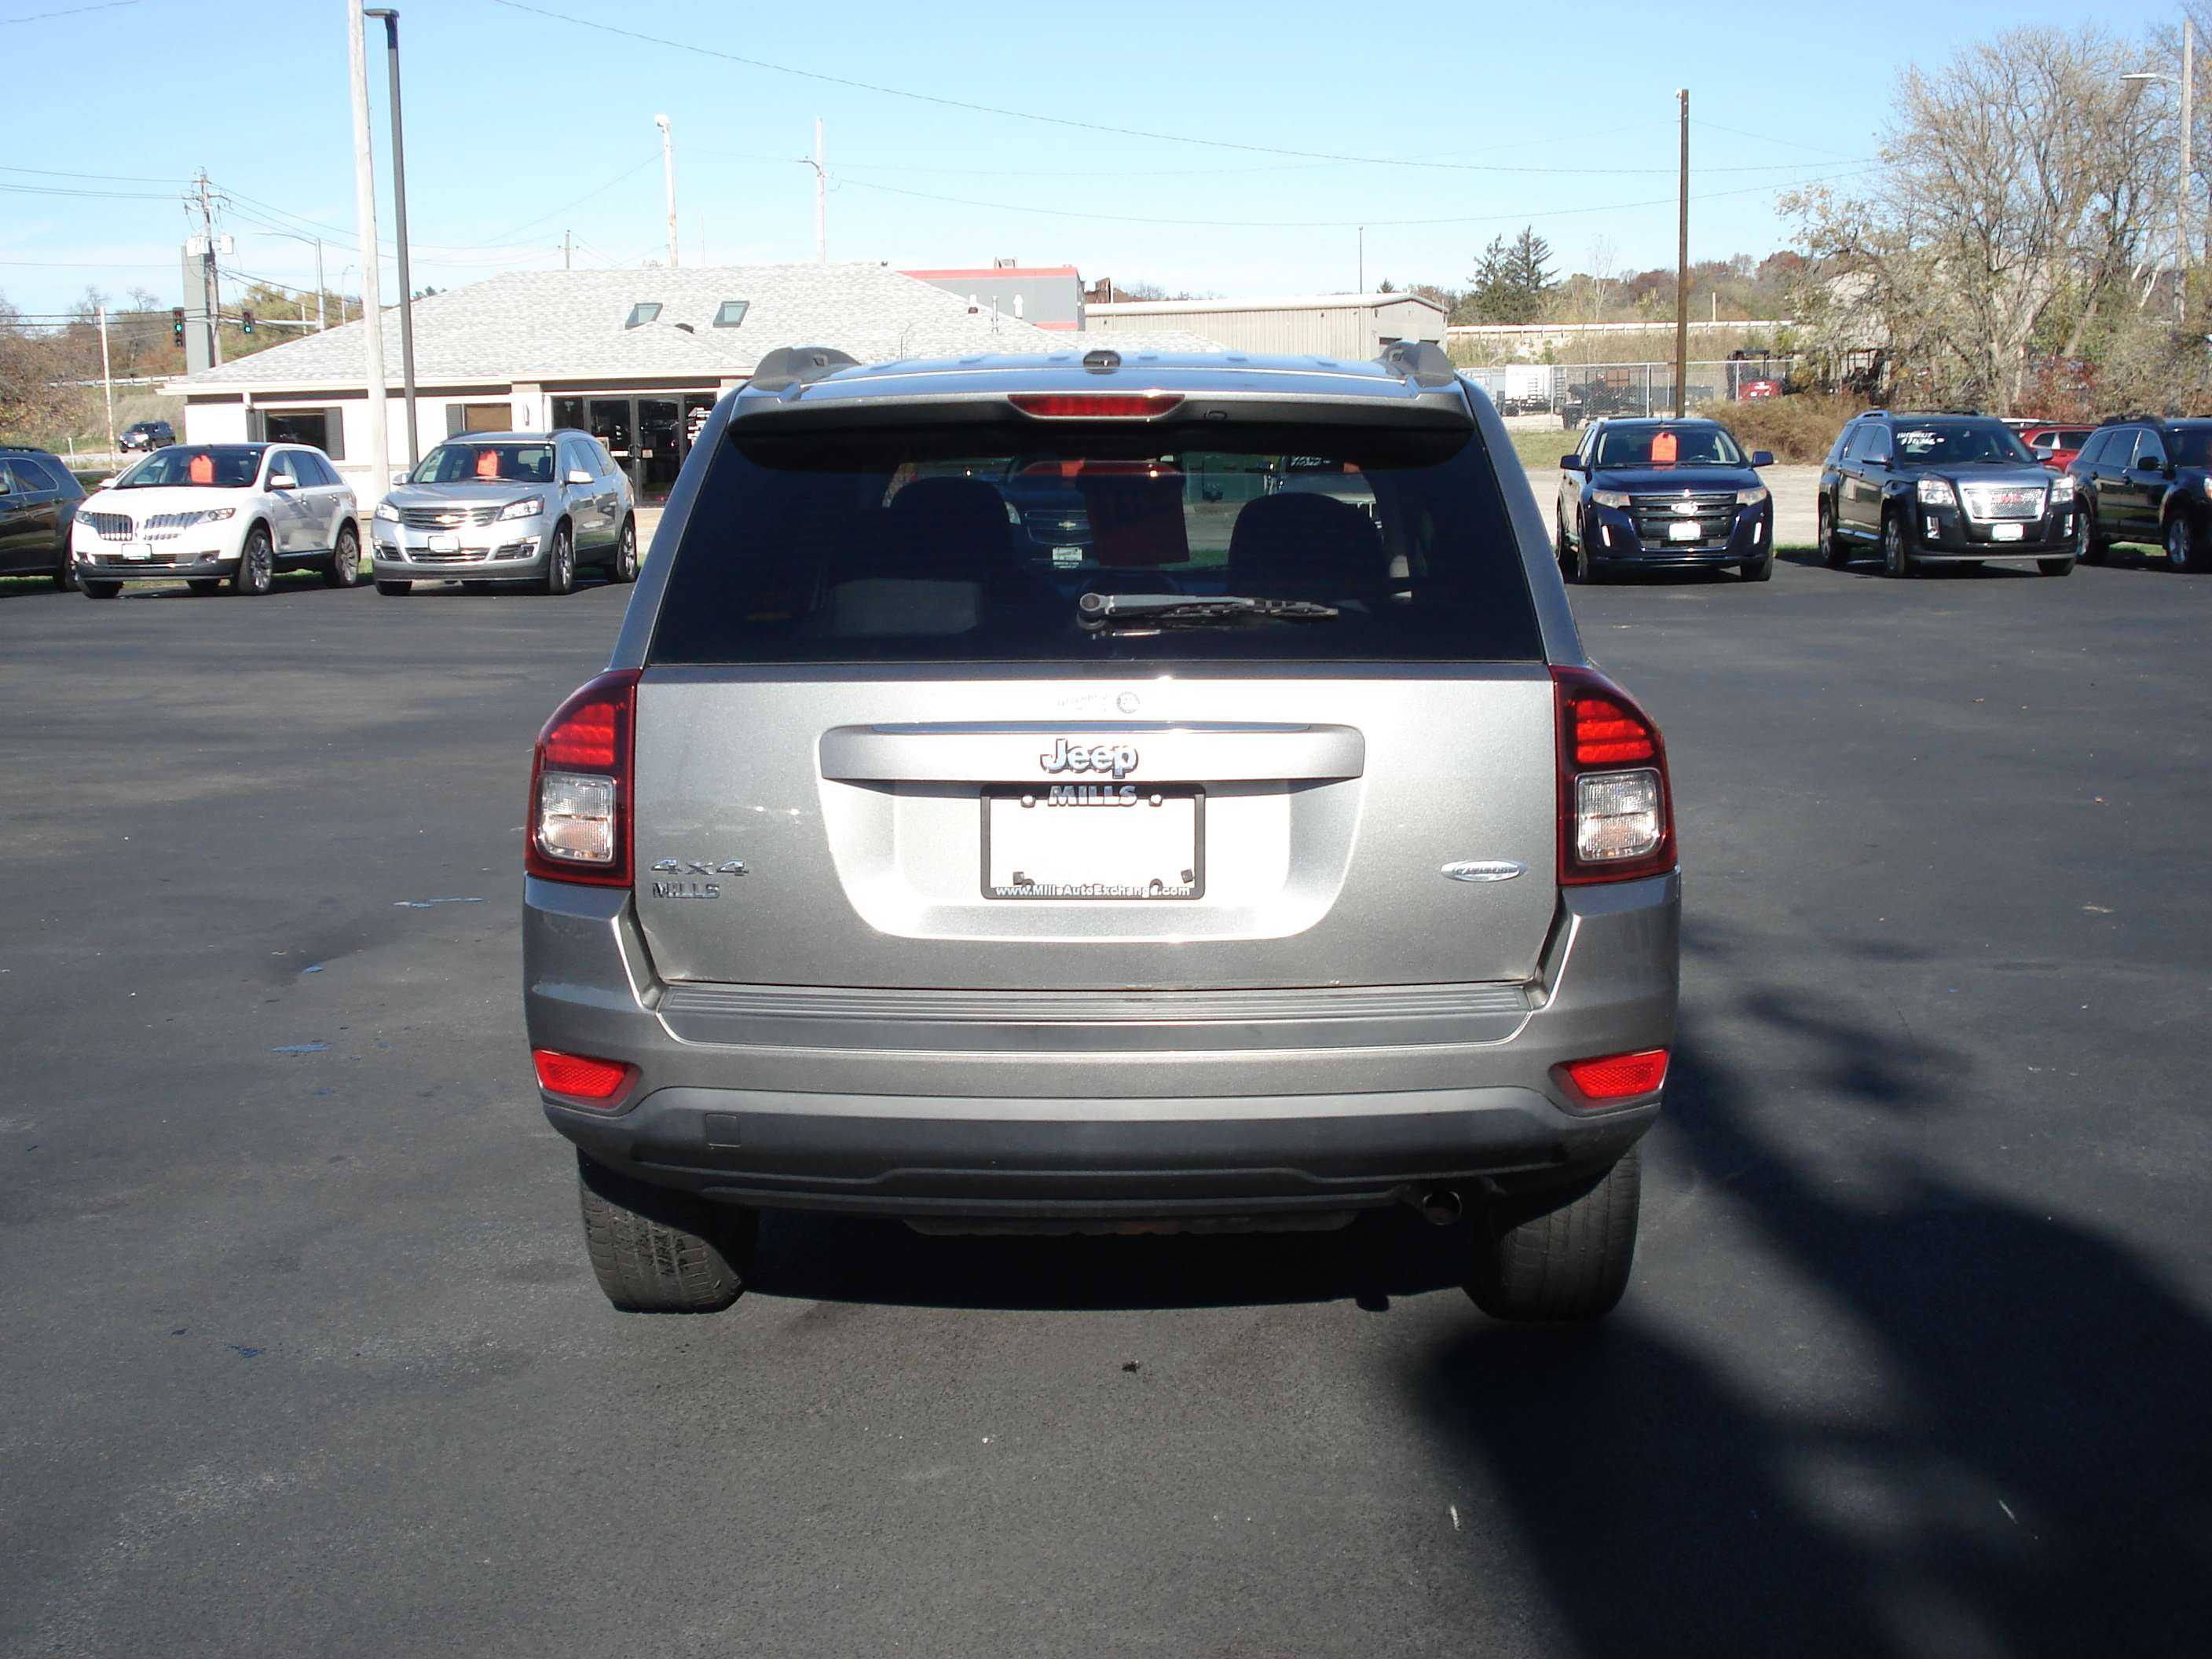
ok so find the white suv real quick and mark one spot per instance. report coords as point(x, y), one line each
point(204, 511)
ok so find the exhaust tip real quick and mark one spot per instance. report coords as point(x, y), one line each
point(1441, 1206)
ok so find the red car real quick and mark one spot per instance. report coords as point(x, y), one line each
point(2054, 444)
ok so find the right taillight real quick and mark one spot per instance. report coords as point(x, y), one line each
point(1616, 811)
point(579, 786)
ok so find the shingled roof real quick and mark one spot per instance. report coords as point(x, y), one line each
point(571, 325)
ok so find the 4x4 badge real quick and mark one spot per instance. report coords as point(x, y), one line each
point(682, 869)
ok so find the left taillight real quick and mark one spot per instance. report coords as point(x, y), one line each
point(579, 786)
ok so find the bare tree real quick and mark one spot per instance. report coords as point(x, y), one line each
point(2016, 196)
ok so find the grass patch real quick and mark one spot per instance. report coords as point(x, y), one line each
point(1539, 449)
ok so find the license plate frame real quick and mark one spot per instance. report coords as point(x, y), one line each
point(1685, 529)
point(444, 541)
point(2008, 532)
point(994, 891)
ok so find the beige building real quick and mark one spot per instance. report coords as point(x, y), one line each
point(1347, 325)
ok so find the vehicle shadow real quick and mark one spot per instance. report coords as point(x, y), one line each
point(2015, 1461)
point(1868, 566)
point(826, 1258)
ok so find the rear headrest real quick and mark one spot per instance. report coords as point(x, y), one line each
point(1298, 545)
point(954, 506)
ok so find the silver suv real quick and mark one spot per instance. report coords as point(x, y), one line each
point(1257, 861)
point(508, 506)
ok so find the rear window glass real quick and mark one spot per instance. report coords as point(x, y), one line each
point(975, 543)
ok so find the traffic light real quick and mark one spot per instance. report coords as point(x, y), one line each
point(176, 325)
point(246, 318)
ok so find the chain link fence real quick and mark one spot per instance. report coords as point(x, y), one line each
point(1577, 393)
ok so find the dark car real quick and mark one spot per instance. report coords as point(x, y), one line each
point(38, 499)
point(1943, 489)
point(2144, 480)
point(147, 434)
point(1662, 494)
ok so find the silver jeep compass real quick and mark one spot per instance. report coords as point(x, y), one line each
point(1255, 858)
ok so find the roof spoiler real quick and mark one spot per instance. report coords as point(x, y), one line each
point(1422, 362)
point(789, 366)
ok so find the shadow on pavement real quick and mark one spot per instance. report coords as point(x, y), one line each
point(840, 1259)
point(2016, 1461)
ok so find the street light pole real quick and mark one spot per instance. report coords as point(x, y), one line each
point(399, 216)
point(1682, 272)
point(668, 175)
point(2183, 251)
point(372, 302)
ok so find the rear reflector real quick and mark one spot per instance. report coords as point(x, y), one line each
point(1095, 405)
point(1619, 1077)
point(580, 1077)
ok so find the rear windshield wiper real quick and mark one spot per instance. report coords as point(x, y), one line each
point(1099, 610)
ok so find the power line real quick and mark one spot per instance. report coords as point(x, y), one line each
point(529, 223)
point(1770, 138)
point(112, 178)
point(999, 110)
point(1328, 224)
point(72, 11)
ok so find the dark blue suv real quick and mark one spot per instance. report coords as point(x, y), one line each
point(1662, 494)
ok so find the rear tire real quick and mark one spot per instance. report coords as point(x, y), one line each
point(64, 573)
point(393, 590)
point(95, 589)
point(624, 569)
point(1831, 546)
point(1561, 1254)
point(658, 1251)
point(343, 570)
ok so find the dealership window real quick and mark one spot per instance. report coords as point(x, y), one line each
point(323, 428)
point(479, 417)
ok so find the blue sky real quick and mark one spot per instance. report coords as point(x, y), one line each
point(520, 126)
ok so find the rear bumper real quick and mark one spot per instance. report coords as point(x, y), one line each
point(1028, 1109)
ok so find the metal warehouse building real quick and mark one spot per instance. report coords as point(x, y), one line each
point(1349, 325)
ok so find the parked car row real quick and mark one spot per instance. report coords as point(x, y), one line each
point(1964, 489)
point(487, 509)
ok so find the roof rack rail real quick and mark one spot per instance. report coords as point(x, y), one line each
point(789, 366)
point(1422, 362)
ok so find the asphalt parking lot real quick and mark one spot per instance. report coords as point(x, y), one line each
point(302, 1353)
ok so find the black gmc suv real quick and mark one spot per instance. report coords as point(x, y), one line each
point(2143, 479)
point(1947, 488)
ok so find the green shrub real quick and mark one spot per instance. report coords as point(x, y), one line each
point(1798, 425)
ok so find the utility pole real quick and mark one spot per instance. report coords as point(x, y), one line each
point(668, 173)
point(1682, 272)
point(568, 255)
point(320, 324)
point(821, 200)
point(106, 380)
point(1363, 259)
point(211, 282)
point(391, 19)
point(372, 300)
